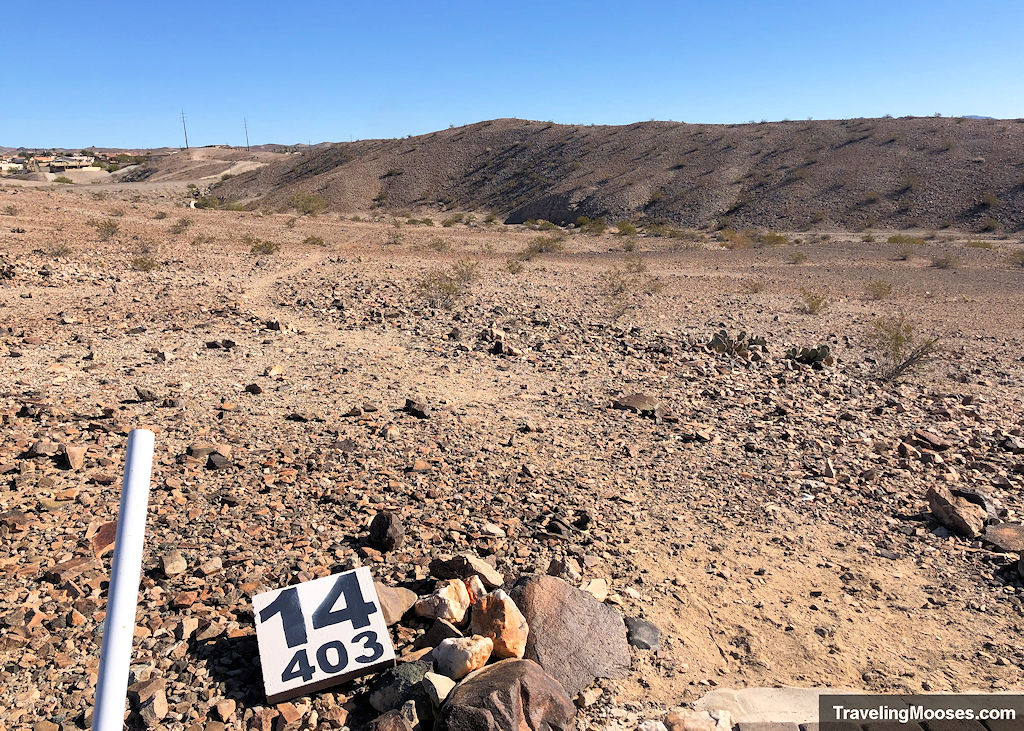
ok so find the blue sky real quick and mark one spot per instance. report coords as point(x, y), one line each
point(117, 73)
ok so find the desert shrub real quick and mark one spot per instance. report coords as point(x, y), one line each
point(442, 288)
point(145, 263)
point(797, 257)
point(260, 247)
point(59, 250)
point(308, 204)
point(202, 239)
point(899, 348)
point(623, 289)
point(290, 223)
point(989, 224)
point(489, 219)
point(99, 195)
point(594, 227)
point(551, 244)
point(10, 210)
point(514, 266)
point(394, 238)
point(629, 245)
point(159, 215)
point(733, 240)
point(116, 212)
point(904, 254)
point(208, 201)
point(542, 225)
point(64, 179)
point(180, 226)
point(945, 261)
point(867, 239)
point(438, 244)
point(106, 228)
point(878, 289)
point(1017, 258)
point(904, 239)
point(981, 245)
point(813, 302)
point(420, 221)
point(990, 200)
point(313, 241)
point(452, 220)
point(625, 228)
point(754, 285)
point(770, 238)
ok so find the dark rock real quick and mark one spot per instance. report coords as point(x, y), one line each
point(386, 531)
point(465, 565)
point(508, 696)
point(390, 721)
point(641, 403)
point(399, 684)
point(574, 637)
point(642, 634)
point(217, 461)
point(439, 631)
point(419, 409)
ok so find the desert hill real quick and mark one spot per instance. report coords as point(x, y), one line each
point(926, 172)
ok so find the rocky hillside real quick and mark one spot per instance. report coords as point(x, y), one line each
point(887, 173)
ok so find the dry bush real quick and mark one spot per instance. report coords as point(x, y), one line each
point(736, 239)
point(260, 247)
point(59, 250)
point(754, 285)
point(314, 241)
point(290, 223)
point(159, 215)
point(594, 227)
point(105, 228)
point(11, 210)
point(452, 220)
point(439, 245)
point(904, 239)
point(180, 226)
point(945, 261)
point(64, 179)
point(981, 245)
point(514, 266)
point(623, 289)
point(553, 244)
point(770, 238)
point(899, 348)
point(797, 257)
point(1016, 258)
point(904, 254)
point(442, 288)
point(145, 263)
point(202, 239)
point(813, 302)
point(878, 289)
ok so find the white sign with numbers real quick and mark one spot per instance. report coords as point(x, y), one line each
point(320, 633)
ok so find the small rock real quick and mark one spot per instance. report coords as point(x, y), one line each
point(394, 602)
point(417, 408)
point(399, 684)
point(449, 601)
point(642, 634)
point(465, 565)
point(437, 687)
point(74, 457)
point(439, 631)
point(957, 514)
point(103, 539)
point(386, 531)
point(173, 563)
point(390, 721)
point(497, 617)
point(458, 657)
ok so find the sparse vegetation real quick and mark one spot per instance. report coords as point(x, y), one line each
point(202, 240)
point(1017, 258)
point(899, 349)
point(145, 263)
point(290, 223)
point(553, 244)
point(623, 288)
point(308, 204)
point(977, 244)
point(159, 215)
point(260, 247)
point(439, 245)
point(180, 226)
point(11, 210)
point(514, 266)
point(314, 240)
point(754, 285)
point(907, 240)
point(442, 288)
point(64, 179)
point(797, 257)
point(452, 220)
point(594, 227)
point(878, 289)
point(771, 238)
point(106, 228)
point(625, 228)
point(945, 261)
point(813, 302)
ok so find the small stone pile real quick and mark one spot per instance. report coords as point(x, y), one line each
point(497, 654)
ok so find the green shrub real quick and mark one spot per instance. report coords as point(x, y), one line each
point(465, 271)
point(552, 244)
point(988, 223)
point(770, 238)
point(899, 349)
point(904, 239)
point(308, 204)
point(452, 220)
point(106, 228)
point(623, 289)
point(443, 288)
point(625, 228)
point(594, 227)
point(64, 179)
point(260, 247)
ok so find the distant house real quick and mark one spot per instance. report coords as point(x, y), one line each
point(70, 162)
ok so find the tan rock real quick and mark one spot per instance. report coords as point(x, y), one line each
point(173, 563)
point(449, 602)
point(103, 539)
point(497, 617)
point(457, 657)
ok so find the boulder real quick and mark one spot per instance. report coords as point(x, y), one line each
point(575, 638)
point(508, 696)
point(496, 616)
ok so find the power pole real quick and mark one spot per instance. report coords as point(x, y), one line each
point(184, 128)
point(245, 124)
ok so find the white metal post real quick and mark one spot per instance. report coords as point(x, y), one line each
point(123, 593)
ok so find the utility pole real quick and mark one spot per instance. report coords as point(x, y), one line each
point(245, 124)
point(184, 128)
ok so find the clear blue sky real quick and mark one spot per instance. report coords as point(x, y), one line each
point(117, 72)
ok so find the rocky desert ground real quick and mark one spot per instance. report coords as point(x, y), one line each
point(757, 520)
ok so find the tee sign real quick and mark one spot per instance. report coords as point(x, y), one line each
point(320, 633)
